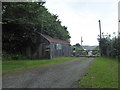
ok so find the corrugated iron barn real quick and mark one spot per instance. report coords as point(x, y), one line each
point(48, 47)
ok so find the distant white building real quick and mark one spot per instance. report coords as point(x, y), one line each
point(90, 53)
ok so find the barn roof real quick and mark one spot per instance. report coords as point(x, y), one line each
point(50, 39)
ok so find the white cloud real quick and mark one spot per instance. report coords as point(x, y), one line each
point(88, 1)
point(85, 22)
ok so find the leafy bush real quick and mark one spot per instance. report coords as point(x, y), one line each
point(6, 56)
point(110, 46)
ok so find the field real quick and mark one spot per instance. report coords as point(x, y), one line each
point(103, 73)
point(16, 65)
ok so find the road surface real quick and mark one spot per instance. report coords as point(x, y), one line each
point(62, 75)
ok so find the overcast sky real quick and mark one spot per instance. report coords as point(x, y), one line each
point(81, 17)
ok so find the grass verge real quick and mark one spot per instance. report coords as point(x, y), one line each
point(103, 73)
point(10, 66)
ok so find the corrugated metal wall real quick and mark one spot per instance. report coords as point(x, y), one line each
point(64, 51)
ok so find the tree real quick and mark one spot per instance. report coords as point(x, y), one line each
point(110, 47)
point(18, 25)
point(77, 44)
point(22, 20)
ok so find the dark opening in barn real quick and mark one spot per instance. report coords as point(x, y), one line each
point(48, 47)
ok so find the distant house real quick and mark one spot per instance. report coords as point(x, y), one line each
point(48, 47)
point(89, 52)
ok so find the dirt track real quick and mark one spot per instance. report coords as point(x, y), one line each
point(62, 75)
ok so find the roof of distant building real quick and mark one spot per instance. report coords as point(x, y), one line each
point(50, 39)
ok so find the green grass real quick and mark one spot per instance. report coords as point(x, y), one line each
point(11, 66)
point(103, 73)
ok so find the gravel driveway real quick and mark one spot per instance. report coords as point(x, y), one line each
point(62, 75)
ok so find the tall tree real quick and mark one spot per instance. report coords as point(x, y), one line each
point(22, 20)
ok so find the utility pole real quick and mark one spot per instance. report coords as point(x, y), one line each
point(100, 37)
point(81, 40)
point(118, 24)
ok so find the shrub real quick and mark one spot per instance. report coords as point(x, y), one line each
point(6, 56)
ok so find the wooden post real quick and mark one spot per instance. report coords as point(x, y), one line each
point(100, 37)
point(81, 40)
